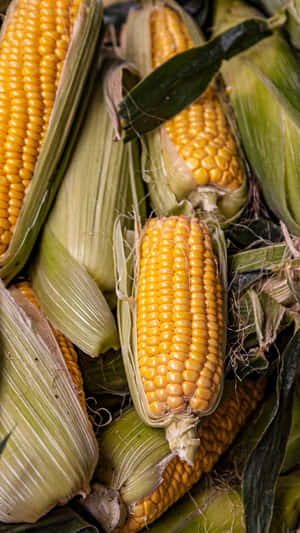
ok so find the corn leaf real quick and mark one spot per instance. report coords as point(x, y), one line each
point(181, 80)
point(264, 464)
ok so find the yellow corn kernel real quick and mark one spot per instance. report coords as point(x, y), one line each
point(65, 345)
point(32, 54)
point(181, 365)
point(201, 132)
point(216, 434)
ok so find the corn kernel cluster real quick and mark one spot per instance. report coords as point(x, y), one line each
point(179, 316)
point(32, 55)
point(201, 132)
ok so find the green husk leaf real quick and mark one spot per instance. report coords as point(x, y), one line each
point(52, 159)
point(270, 73)
point(292, 12)
point(263, 467)
point(81, 311)
point(180, 429)
point(62, 520)
point(181, 80)
point(287, 503)
point(292, 454)
point(206, 509)
point(256, 232)
point(52, 452)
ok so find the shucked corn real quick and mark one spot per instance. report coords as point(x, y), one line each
point(179, 316)
point(32, 55)
point(200, 132)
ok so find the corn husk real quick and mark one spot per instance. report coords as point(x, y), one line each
point(170, 181)
point(181, 428)
point(264, 78)
point(50, 164)
point(292, 11)
point(101, 183)
point(51, 452)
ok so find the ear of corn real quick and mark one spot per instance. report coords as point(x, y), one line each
point(131, 455)
point(113, 188)
point(269, 75)
point(172, 325)
point(45, 53)
point(51, 453)
point(193, 162)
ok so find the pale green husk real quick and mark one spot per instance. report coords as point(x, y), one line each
point(171, 184)
point(292, 10)
point(180, 429)
point(71, 298)
point(261, 80)
point(101, 182)
point(49, 167)
point(51, 453)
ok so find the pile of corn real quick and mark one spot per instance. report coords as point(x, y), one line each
point(143, 313)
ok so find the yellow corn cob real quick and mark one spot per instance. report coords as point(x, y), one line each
point(66, 347)
point(180, 324)
point(32, 55)
point(200, 133)
point(216, 433)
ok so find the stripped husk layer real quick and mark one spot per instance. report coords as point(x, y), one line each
point(180, 428)
point(101, 182)
point(51, 453)
point(171, 183)
point(50, 164)
point(269, 75)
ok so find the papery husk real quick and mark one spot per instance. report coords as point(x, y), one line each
point(53, 157)
point(263, 79)
point(180, 428)
point(101, 182)
point(51, 453)
point(171, 184)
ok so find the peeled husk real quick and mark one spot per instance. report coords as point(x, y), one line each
point(181, 428)
point(51, 452)
point(171, 184)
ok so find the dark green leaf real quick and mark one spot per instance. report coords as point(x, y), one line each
point(244, 280)
point(263, 468)
point(181, 80)
point(260, 232)
point(61, 520)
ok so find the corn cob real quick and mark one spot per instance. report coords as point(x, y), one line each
point(65, 345)
point(255, 90)
point(198, 151)
point(171, 476)
point(51, 452)
point(174, 359)
point(37, 49)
